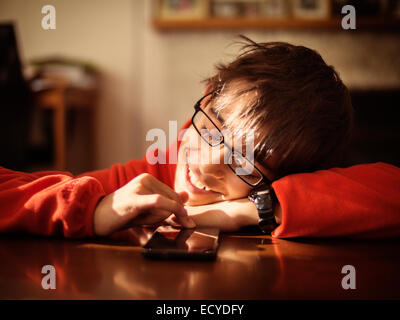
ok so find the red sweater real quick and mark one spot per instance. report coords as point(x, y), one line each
point(359, 201)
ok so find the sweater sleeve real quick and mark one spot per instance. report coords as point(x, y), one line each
point(360, 201)
point(56, 203)
point(118, 174)
point(48, 203)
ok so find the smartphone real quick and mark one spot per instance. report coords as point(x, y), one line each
point(170, 242)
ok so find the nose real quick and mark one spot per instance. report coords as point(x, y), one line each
point(212, 162)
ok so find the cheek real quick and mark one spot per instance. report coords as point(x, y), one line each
point(190, 137)
point(196, 150)
point(186, 142)
point(236, 188)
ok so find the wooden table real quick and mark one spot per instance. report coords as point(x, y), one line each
point(247, 267)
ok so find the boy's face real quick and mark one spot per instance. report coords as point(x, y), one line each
point(200, 165)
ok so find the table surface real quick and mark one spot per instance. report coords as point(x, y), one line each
point(248, 266)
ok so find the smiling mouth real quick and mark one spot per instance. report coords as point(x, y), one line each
point(194, 185)
point(192, 182)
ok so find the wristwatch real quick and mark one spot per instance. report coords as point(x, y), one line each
point(264, 200)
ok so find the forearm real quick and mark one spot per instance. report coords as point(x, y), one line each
point(227, 215)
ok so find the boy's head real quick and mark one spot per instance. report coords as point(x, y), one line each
point(297, 106)
point(294, 101)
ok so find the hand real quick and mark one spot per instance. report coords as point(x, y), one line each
point(143, 201)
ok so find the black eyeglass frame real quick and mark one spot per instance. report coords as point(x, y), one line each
point(199, 109)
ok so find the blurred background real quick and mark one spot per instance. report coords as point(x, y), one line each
point(90, 89)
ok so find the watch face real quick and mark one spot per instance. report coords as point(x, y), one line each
point(263, 202)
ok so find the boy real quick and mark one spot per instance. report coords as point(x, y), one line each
point(300, 113)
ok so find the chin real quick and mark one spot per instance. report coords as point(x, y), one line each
point(197, 197)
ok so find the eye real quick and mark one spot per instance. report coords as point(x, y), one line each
point(211, 135)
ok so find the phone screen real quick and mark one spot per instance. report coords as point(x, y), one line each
point(170, 242)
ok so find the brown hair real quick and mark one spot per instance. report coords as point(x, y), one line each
point(297, 104)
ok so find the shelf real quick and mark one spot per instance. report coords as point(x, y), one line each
point(364, 23)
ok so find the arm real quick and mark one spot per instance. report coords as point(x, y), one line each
point(48, 203)
point(56, 203)
point(228, 216)
point(359, 201)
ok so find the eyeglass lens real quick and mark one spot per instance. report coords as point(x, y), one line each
point(207, 130)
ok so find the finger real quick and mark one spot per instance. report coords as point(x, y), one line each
point(157, 215)
point(151, 217)
point(157, 201)
point(156, 186)
point(184, 196)
point(176, 221)
point(186, 222)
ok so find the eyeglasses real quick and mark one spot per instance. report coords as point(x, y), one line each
point(213, 136)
